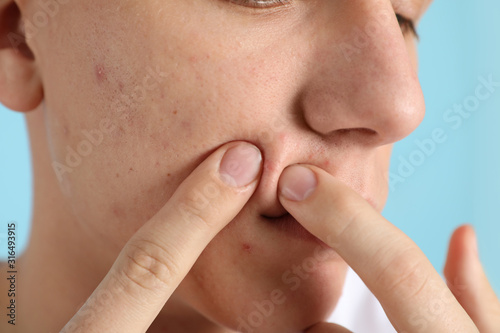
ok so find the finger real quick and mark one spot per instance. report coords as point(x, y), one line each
point(412, 293)
point(327, 328)
point(156, 259)
point(468, 282)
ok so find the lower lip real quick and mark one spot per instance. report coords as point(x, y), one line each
point(289, 225)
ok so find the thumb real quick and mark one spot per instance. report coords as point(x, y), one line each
point(327, 328)
point(467, 280)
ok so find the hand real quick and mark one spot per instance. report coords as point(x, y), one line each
point(157, 258)
point(393, 267)
point(468, 282)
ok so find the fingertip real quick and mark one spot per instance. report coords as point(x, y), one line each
point(297, 183)
point(241, 165)
point(464, 241)
point(456, 251)
point(462, 261)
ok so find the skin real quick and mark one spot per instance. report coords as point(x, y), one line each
point(162, 87)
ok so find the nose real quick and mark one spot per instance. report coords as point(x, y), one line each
point(363, 78)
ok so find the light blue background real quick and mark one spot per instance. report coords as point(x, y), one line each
point(459, 182)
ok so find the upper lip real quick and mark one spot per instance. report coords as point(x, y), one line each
point(280, 154)
point(277, 210)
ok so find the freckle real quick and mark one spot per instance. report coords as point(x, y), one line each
point(168, 175)
point(175, 112)
point(157, 163)
point(100, 73)
point(246, 248)
point(117, 175)
point(131, 169)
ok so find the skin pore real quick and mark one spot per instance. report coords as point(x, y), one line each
point(156, 86)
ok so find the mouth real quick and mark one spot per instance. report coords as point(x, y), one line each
point(288, 225)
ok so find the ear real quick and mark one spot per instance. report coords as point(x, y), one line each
point(20, 83)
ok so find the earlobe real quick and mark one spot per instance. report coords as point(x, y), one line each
point(20, 83)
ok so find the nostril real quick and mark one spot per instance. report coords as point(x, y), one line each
point(274, 212)
point(365, 131)
point(275, 217)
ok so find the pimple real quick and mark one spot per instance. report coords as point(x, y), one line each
point(186, 125)
point(100, 73)
point(269, 166)
point(246, 248)
point(282, 136)
point(118, 212)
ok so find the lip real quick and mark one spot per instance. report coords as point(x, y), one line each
point(292, 228)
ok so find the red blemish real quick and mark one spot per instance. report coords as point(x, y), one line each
point(118, 212)
point(246, 248)
point(100, 73)
point(120, 86)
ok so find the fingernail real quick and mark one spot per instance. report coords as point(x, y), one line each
point(297, 183)
point(240, 165)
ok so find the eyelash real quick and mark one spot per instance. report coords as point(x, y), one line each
point(407, 25)
point(261, 3)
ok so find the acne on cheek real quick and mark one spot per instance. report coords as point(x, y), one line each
point(247, 248)
point(100, 74)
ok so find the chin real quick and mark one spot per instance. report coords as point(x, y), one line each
point(265, 298)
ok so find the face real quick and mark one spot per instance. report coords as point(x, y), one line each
point(138, 93)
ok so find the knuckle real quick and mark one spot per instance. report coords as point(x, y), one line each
point(195, 208)
point(149, 266)
point(404, 276)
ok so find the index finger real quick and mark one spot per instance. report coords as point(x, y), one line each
point(156, 259)
point(392, 266)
